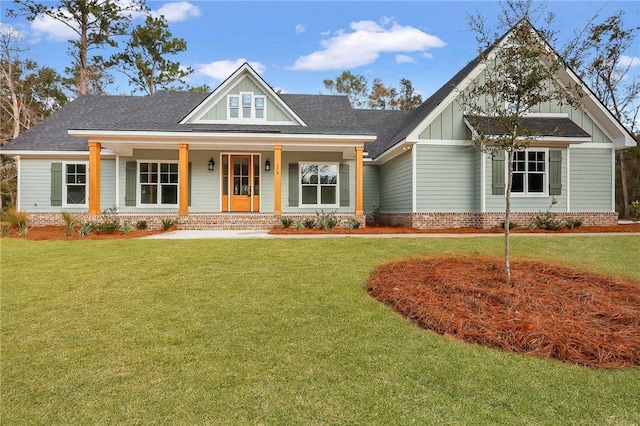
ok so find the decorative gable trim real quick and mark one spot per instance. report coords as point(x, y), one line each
point(221, 94)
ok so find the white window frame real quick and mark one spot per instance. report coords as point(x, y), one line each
point(319, 185)
point(252, 118)
point(64, 185)
point(545, 183)
point(139, 203)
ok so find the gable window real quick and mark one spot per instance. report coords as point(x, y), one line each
point(158, 183)
point(75, 184)
point(529, 172)
point(247, 106)
point(319, 184)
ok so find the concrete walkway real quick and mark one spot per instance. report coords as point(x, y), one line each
point(189, 235)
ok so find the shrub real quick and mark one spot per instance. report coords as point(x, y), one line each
point(326, 220)
point(126, 227)
point(547, 220)
point(573, 222)
point(353, 223)
point(69, 223)
point(4, 228)
point(168, 223)
point(16, 218)
point(23, 229)
point(85, 228)
point(511, 225)
point(376, 214)
point(298, 225)
point(309, 223)
point(286, 222)
point(634, 210)
point(141, 224)
point(108, 224)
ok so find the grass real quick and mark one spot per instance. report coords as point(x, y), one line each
point(273, 332)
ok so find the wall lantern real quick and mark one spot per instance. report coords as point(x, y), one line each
point(211, 165)
point(267, 165)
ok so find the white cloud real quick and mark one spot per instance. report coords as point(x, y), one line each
point(178, 11)
point(301, 28)
point(629, 61)
point(219, 70)
point(365, 43)
point(7, 30)
point(52, 29)
point(404, 59)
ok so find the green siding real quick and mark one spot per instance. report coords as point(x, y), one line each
point(447, 126)
point(371, 194)
point(396, 185)
point(295, 157)
point(591, 176)
point(107, 184)
point(446, 179)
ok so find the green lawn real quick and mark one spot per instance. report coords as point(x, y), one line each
point(273, 332)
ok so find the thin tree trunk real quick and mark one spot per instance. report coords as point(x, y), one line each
point(623, 181)
point(507, 218)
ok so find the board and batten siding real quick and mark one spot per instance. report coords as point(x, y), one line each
point(449, 125)
point(446, 179)
point(524, 203)
point(591, 180)
point(289, 157)
point(396, 184)
point(219, 110)
point(371, 195)
point(35, 184)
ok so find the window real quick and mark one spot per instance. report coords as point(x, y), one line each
point(75, 186)
point(158, 183)
point(529, 172)
point(318, 184)
point(247, 106)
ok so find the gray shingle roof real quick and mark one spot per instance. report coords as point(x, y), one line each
point(534, 126)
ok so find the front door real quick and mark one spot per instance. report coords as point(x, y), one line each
point(243, 183)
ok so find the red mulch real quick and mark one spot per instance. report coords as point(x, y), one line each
point(373, 229)
point(550, 311)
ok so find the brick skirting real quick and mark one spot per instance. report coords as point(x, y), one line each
point(194, 221)
point(488, 220)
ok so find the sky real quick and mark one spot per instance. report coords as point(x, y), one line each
point(295, 45)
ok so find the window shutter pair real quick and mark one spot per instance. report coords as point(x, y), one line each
point(555, 173)
point(130, 183)
point(294, 185)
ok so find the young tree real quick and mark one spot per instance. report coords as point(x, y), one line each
point(408, 99)
point(144, 60)
point(354, 86)
point(382, 97)
point(518, 75)
point(96, 23)
point(598, 54)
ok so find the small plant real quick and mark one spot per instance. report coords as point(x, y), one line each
point(547, 220)
point(141, 225)
point(511, 225)
point(109, 222)
point(573, 223)
point(298, 225)
point(69, 223)
point(376, 214)
point(16, 218)
point(309, 223)
point(126, 227)
point(168, 223)
point(326, 221)
point(4, 228)
point(23, 229)
point(85, 228)
point(286, 222)
point(634, 210)
point(353, 223)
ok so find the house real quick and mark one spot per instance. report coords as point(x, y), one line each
point(244, 156)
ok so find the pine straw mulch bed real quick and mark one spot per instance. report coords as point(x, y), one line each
point(550, 311)
point(47, 233)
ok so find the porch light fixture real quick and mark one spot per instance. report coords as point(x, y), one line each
point(211, 164)
point(267, 165)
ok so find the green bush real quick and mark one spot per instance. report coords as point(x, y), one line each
point(309, 223)
point(547, 220)
point(353, 223)
point(69, 223)
point(168, 223)
point(141, 224)
point(108, 223)
point(326, 220)
point(376, 214)
point(16, 218)
point(286, 222)
point(634, 210)
point(85, 228)
point(573, 222)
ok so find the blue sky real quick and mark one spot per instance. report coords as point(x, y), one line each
point(296, 45)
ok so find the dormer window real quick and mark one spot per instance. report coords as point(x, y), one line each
point(246, 106)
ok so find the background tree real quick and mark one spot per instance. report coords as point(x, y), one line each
point(598, 54)
point(518, 74)
point(144, 60)
point(97, 77)
point(96, 23)
point(28, 94)
point(408, 99)
point(382, 97)
point(354, 86)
